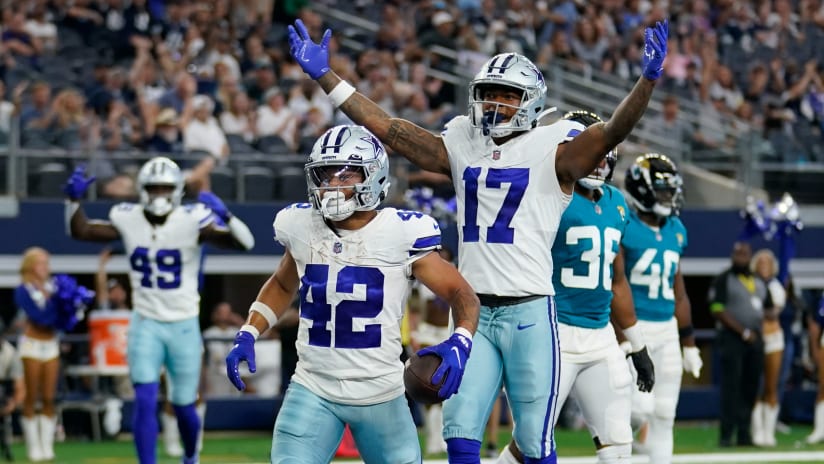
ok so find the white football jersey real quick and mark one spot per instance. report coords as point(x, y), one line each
point(353, 292)
point(165, 259)
point(509, 206)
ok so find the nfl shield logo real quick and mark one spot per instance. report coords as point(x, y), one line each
point(496, 155)
point(337, 248)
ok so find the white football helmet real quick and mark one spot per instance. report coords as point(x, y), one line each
point(341, 150)
point(604, 172)
point(509, 70)
point(160, 171)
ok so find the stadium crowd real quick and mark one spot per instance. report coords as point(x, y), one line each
point(214, 77)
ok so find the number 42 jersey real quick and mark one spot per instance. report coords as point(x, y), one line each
point(353, 291)
point(651, 258)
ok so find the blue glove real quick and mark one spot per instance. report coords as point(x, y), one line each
point(78, 183)
point(655, 50)
point(312, 57)
point(243, 350)
point(215, 204)
point(454, 352)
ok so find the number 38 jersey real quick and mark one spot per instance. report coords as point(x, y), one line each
point(651, 257)
point(588, 242)
point(353, 291)
point(509, 206)
point(165, 260)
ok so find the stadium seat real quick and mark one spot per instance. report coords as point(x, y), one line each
point(238, 145)
point(47, 180)
point(273, 144)
point(224, 183)
point(292, 185)
point(258, 184)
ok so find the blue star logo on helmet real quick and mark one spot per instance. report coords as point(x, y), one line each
point(375, 144)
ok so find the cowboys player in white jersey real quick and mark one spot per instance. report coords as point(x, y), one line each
point(653, 244)
point(513, 180)
point(164, 244)
point(353, 267)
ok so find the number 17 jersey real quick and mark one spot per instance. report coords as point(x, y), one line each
point(651, 258)
point(509, 206)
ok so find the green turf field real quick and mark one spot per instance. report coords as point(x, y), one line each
point(231, 448)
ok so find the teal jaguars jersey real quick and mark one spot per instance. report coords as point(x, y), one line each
point(651, 257)
point(586, 245)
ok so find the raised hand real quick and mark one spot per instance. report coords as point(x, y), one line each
point(243, 350)
point(645, 369)
point(78, 183)
point(454, 352)
point(215, 204)
point(655, 50)
point(692, 361)
point(312, 57)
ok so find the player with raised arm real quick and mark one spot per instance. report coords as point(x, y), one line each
point(589, 279)
point(513, 179)
point(353, 267)
point(653, 244)
point(164, 245)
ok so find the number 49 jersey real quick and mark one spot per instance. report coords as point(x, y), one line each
point(353, 291)
point(651, 257)
point(165, 260)
point(587, 244)
point(509, 205)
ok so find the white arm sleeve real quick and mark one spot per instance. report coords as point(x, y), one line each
point(240, 231)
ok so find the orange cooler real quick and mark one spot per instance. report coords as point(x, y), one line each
point(107, 337)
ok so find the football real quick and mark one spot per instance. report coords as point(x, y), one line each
point(417, 378)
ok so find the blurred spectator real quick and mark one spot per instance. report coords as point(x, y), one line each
point(165, 137)
point(307, 94)
point(218, 338)
point(12, 390)
point(737, 300)
point(83, 17)
point(311, 128)
point(262, 79)
point(239, 118)
point(35, 112)
point(9, 108)
point(815, 322)
point(589, 43)
point(203, 133)
point(41, 28)
point(110, 293)
point(670, 130)
point(274, 118)
point(443, 34)
point(23, 47)
point(710, 138)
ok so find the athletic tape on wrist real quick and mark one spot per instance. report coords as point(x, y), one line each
point(264, 311)
point(464, 332)
point(686, 331)
point(341, 93)
point(635, 337)
point(250, 329)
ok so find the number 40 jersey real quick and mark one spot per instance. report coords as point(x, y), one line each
point(651, 257)
point(353, 291)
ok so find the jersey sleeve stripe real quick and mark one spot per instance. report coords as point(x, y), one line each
point(427, 242)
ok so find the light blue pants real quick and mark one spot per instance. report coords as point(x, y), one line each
point(309, 428)
point(176, 345)
point(516, 346)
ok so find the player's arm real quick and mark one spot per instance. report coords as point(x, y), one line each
point(814, 332)
point(683, 310)
point(235, 235)
point(581, 155)
point(77, 224)
point(445, 281)
point(414, 143)
point(273, 300)
point(623, 313)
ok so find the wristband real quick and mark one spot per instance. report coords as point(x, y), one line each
point(71, 207)
point(463, 332)
point(340, 93)
point(745, 334)
point(250, 329)
point(635, 337)
point(264, 311)
point(687, 331)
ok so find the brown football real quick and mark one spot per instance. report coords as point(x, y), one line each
point(417, 378)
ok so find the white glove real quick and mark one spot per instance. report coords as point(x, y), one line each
point(692, 361)
point(626, 347)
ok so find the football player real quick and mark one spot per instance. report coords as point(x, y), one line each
point(513, 180)
point(589, 278)
point(164, 244)
point(653, 243)
point(353, 267)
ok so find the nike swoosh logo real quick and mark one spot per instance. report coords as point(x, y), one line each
point(522, 326)
point(457, 355)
